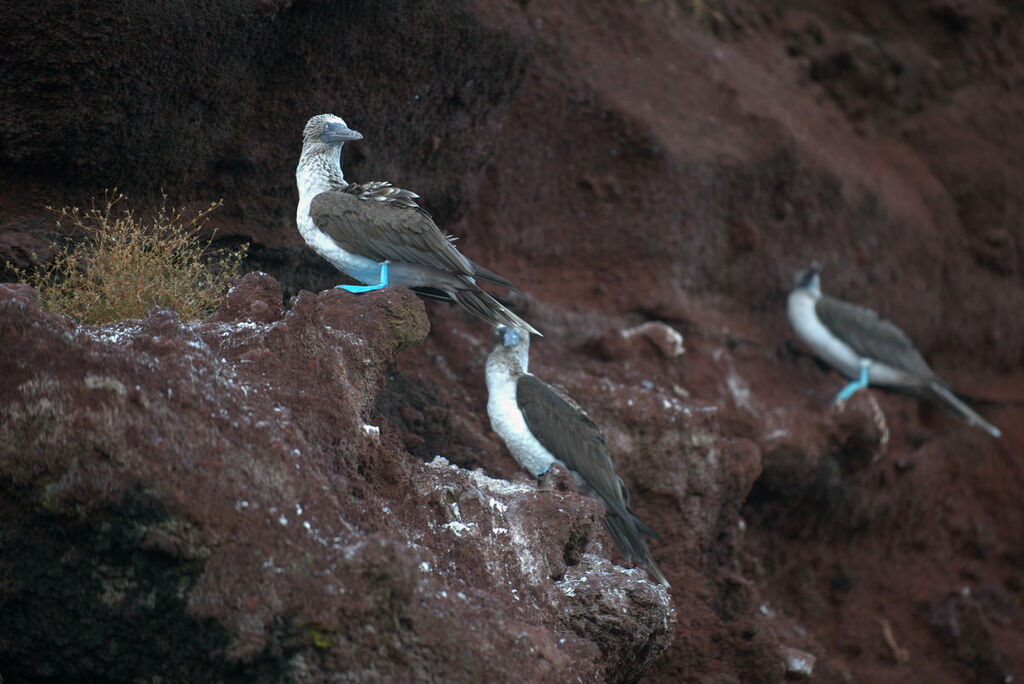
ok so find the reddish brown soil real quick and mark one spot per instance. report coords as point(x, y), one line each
point(629, 162)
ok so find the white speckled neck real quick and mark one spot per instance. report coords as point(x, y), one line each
point(502, 373)
point(319, 170)
point(805, 321)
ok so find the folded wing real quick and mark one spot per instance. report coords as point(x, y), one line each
point(871, 336)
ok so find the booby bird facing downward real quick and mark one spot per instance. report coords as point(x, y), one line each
point(378, 234)
point(540, 425)
point(867, 348)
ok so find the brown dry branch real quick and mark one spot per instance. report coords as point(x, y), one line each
point(117, 267)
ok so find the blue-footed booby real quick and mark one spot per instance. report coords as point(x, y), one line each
point(379, 235)
point(867, 348)
point(541, 425)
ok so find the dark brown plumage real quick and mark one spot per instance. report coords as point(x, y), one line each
point(386, 231)
point(384, 223)
point(379, 235)
point(872, 336)
point(866, 347)
point(571, 436)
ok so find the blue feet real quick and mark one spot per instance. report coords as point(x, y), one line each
point(369, 288)
point(857, 384)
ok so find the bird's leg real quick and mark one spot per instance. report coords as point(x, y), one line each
point(558, 479)
point(369, 288)
point(543, 484)
point(857, 384)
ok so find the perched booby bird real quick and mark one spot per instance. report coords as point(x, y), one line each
point(378, 234)
point(867, 348)
point(541, 425)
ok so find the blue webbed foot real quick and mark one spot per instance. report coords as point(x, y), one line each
point(857, 384)
point(369, 288)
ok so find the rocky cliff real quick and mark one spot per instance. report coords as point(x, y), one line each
point(305, 486)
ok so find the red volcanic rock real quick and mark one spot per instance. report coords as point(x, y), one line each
point(632, 166)
point(961, 622)
point(21, 249)
point(647, 338)
point(220, 500)
point(256, 297)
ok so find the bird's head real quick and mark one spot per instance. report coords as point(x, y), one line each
point(512, 343)
point(507, 337)
point(329, 130)
point(808, 279)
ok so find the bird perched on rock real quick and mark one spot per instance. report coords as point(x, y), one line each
point(866, 348)
point(378, 234)
point(540, 425)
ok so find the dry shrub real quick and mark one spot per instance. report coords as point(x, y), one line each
point(117, 268)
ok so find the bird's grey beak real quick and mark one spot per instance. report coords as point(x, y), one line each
point(336, 133)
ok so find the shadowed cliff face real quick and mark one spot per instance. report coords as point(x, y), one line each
point(642, 170)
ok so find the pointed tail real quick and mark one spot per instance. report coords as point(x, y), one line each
point(492, 277)
point(628, 537)
point(943, 395)
point(479, 303)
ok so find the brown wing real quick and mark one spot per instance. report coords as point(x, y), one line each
point(384, 191)
point(569, 434)
point(872, 336)
point(492, 277)
point(627, 535)
point(571, 437)
point(386, 231)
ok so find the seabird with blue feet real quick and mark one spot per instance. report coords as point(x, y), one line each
point(541, 425)
point(379, 235)
point(867, 348)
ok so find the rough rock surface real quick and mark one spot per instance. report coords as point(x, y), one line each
point(654, 167)
point(209, 501)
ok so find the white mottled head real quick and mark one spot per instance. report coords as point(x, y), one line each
point(808, 279)
point(511, 347)
point(319, 166)
point(322, 140)
point(326, 131)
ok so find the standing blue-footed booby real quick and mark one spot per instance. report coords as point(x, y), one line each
point(866, 348)
point(378, 234)
point(541, 425)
